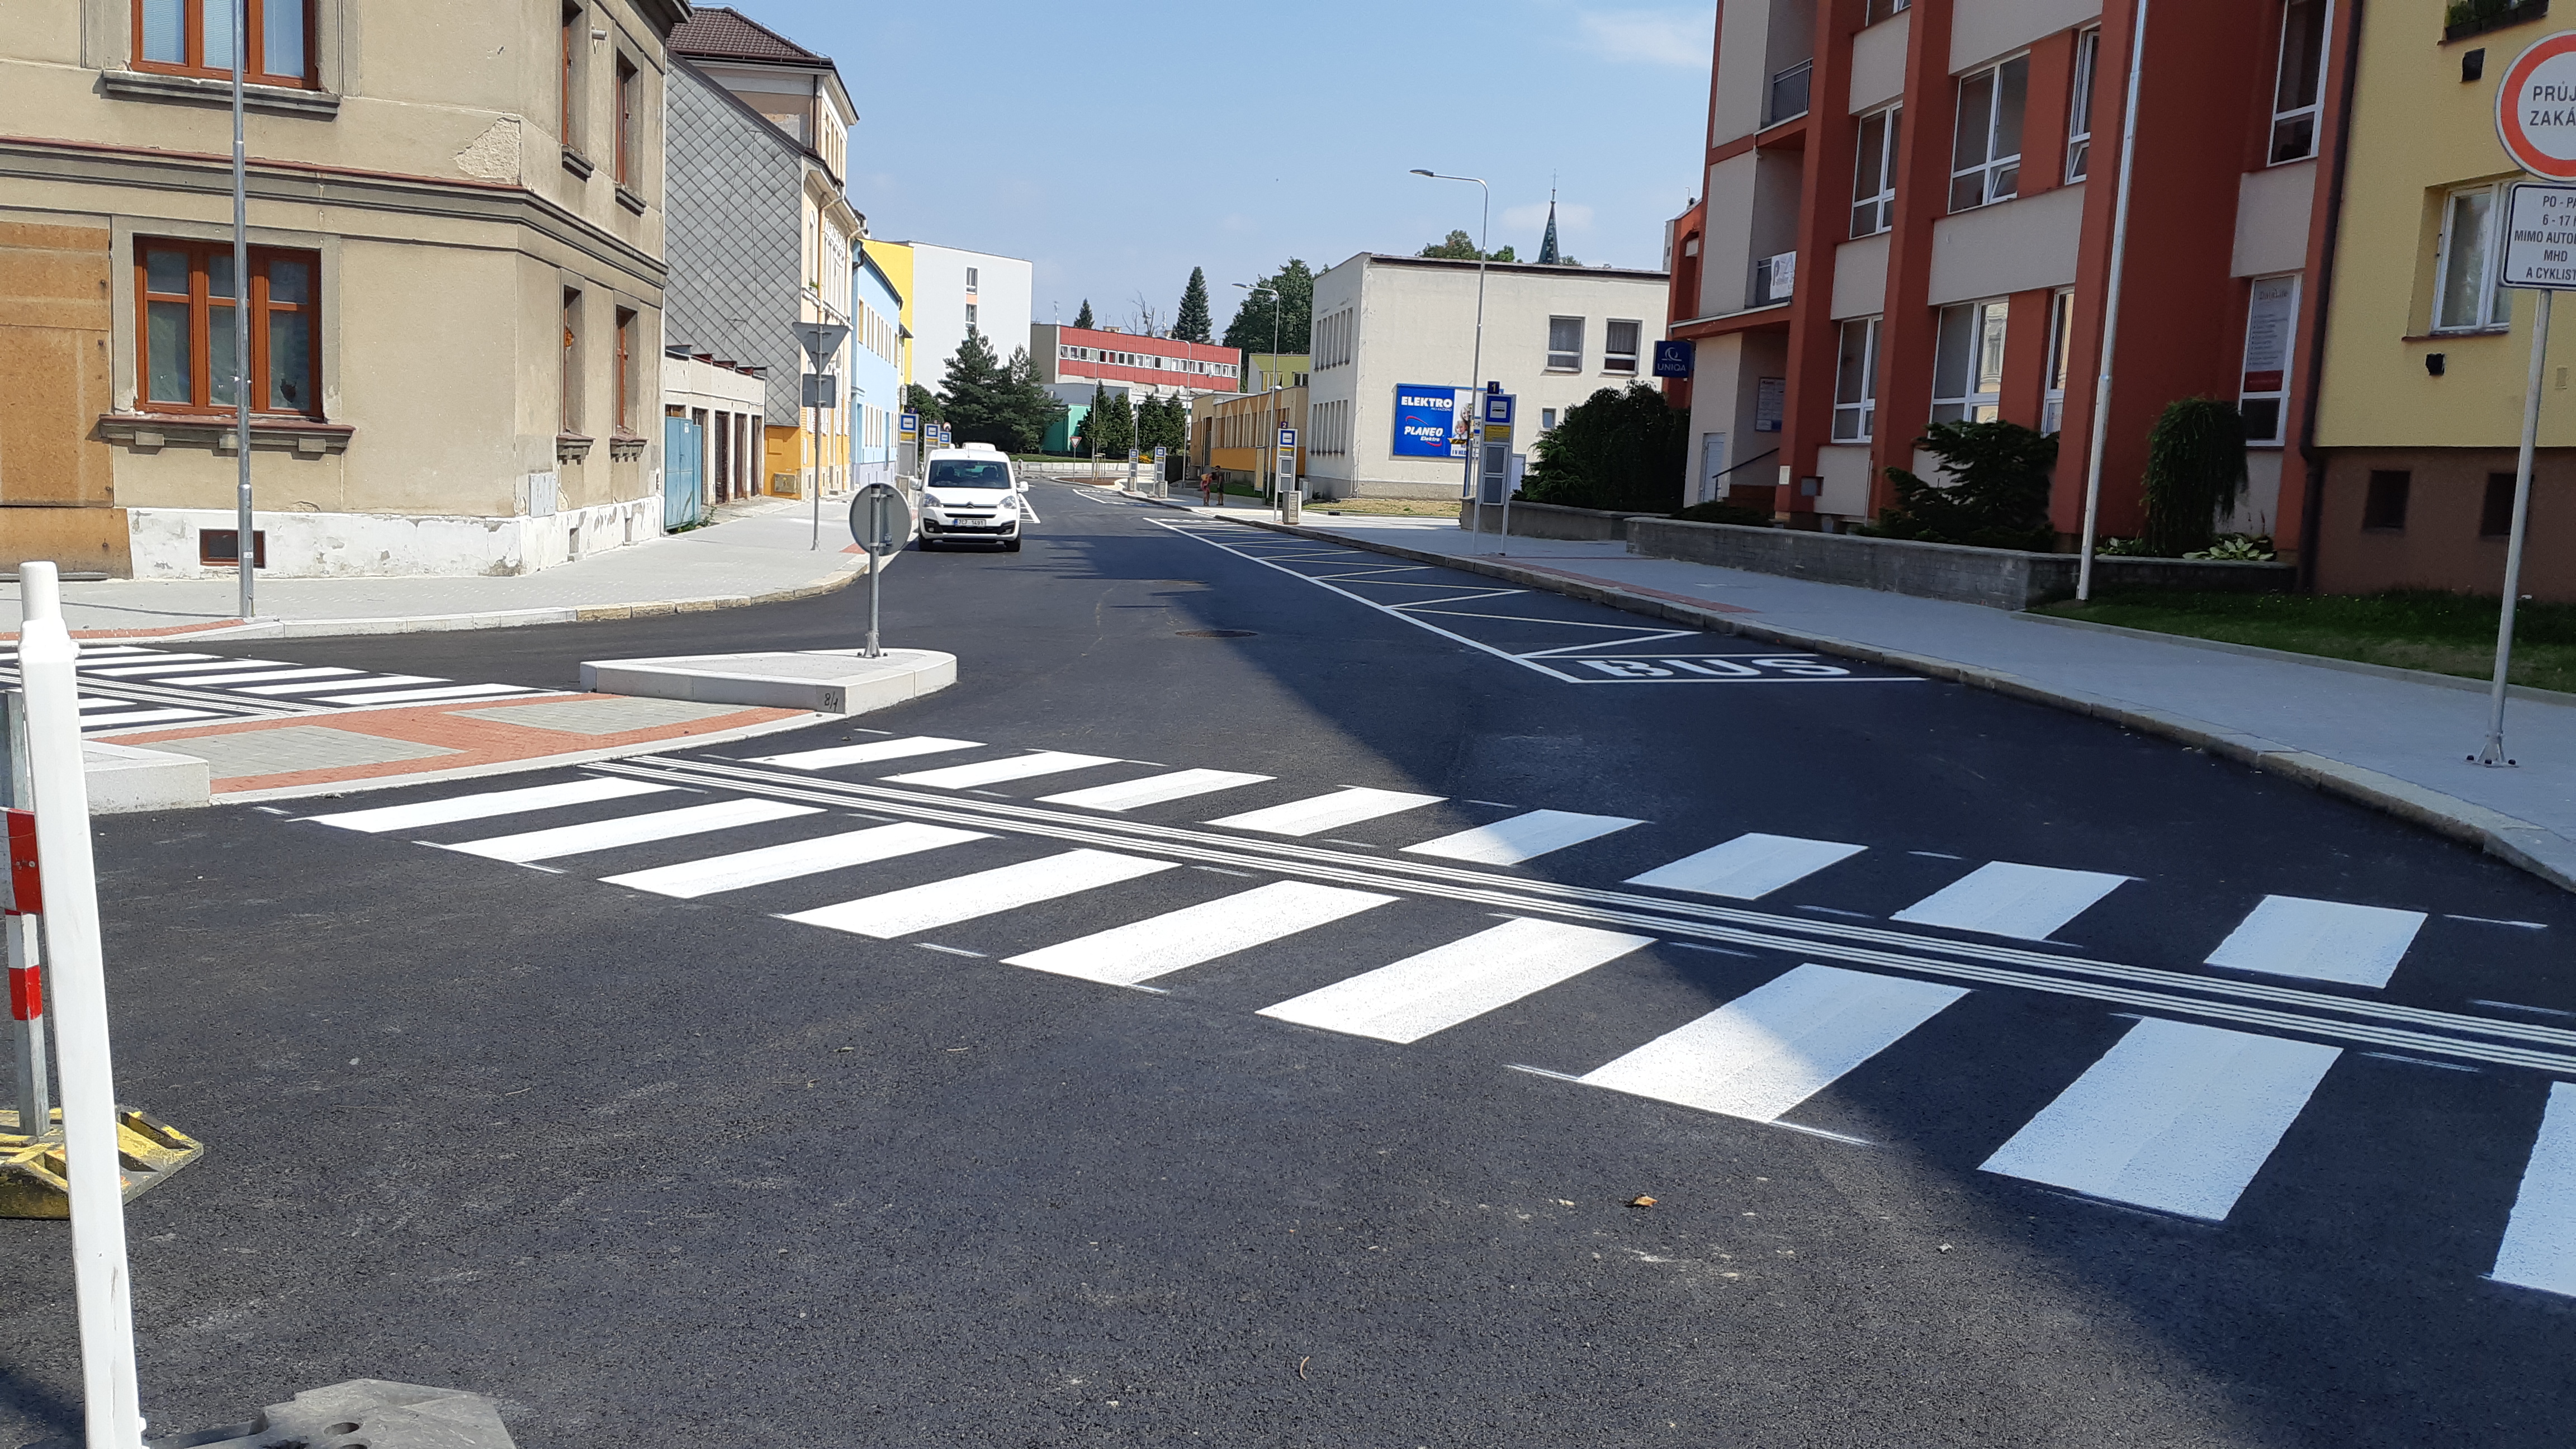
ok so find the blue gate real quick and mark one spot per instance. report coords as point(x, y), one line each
point(683, 449)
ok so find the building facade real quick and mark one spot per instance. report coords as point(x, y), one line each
point(1396, 336)
point(947, 290)
point(721, 407)
point(762, 234)
point(456, 285)
point(875, 380)
point(1908, 219)
point(1070, 361)
point(1238, 436)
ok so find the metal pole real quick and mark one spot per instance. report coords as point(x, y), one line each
point(46, 658)
point(2494, 754)
point(877, 529)
point(245, 544)
point(814, 487)
point(26, 961)
point(2111, 307)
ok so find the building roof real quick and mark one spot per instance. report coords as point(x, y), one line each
point(1549, 269)
point(715, 32)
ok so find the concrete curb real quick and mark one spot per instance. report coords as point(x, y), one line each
point(2534, 848)
point(334, 788)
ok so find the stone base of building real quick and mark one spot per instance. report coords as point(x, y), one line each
point(168, 543)
point(1322, 489)
point(75, 540)
point(2436, 518)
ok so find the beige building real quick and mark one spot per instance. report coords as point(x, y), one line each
point(455, 275)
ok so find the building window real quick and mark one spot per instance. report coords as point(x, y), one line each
point(1564, 344)
point(970, 316)
point(971, 274)
point(625, 375)
point(625, 122)
point(2061, 359)
point(1968, 363)
point(2383, 507)
point(1874, 174)
point(195, 37)
point(571, 401)
point(2495, 512)
point(2470, 298)
point(1985, 154)
point(1547, 420)
point(1878, 10)
point(2271, 320)
point(1856, 382)
point(567, 128)
point(2294, 96)
point(1619, 347)
point(185, 345)
point(2079, 107)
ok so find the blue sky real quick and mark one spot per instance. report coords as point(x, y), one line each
point(1116, 146)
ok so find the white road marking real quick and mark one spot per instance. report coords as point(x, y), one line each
point(1160, 945)
point(279, 675)
point(867, 754)
point(992, 772)
point(144, 717)
point(1439, 988)
point(410, 696)
point(2176, 1117)
point(2539, 1248)
point(1317, 814)
point(985, 893)
point(120, 668)
point(122, 661)
point(1748, 867)
point(1523, 837)
point(2003, 899)
point(1154, 789)
point(1772, 1048)
point(376, 681)
point(2320, 940)
point(563, 840)
point(486, 805)
point(692, 879)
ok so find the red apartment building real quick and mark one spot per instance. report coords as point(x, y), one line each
point(1907, 218)
point(1147, 367)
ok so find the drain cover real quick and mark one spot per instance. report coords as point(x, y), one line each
point(1213, 633)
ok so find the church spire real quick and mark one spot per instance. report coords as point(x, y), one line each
point(1547, 244)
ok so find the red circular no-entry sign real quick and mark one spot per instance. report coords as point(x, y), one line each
point(2536, 107)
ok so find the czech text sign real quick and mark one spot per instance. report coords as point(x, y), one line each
point(2540, 239)
point(1423, 422)
point(2536, 107)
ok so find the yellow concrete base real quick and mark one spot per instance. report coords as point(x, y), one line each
point(32, 1169)
point(77, 540)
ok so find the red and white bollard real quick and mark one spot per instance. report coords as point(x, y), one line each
point(21, 901)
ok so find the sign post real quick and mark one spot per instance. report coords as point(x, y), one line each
point(1494, 411)
point(881, 523)
point(821, 340)
point(1284, 475)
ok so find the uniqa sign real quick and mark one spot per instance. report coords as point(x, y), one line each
point(2536, 108)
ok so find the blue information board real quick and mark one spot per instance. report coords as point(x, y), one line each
point(1424, 421)
point(1673, 359)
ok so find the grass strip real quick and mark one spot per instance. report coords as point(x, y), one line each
point(2425, 629)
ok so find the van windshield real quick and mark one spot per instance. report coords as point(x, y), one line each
point(968, 473)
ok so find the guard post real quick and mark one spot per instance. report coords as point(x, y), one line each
point(880, 523)
point(21, 899)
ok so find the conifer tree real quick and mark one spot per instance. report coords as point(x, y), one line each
point(1083, 318)
point(1194, 324)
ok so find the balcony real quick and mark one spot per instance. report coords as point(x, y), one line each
point(1775, 279)
point(1788, 100)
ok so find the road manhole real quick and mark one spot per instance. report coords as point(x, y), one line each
point(1213, 633)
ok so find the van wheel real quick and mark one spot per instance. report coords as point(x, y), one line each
point(1011, 546)
point(922, 544)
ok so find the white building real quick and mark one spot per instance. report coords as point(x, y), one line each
point(948, 291)
point(1387, 325)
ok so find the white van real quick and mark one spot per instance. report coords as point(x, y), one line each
point(970, 495)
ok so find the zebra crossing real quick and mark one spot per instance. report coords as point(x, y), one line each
point(130, 686)
point(1139, 873)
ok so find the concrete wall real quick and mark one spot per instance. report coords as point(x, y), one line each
point(1997, 578)
point(1548, 520)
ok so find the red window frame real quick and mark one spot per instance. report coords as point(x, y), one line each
point(203, 310)
point(625, 389)
point(255, 45)
point(625, 123)
point(571, 38)
point(571, 423)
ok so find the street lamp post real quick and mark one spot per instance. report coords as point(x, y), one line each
point(1476, 367)
point(245, 542)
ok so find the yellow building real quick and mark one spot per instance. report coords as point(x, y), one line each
point(895, 260)
point(1235, 434)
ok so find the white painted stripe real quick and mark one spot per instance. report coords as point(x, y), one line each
point(564, 840)
point(2320, 940)
point(2003, 899)
point(408, 696)
point(381, 681)
point(1523, 837)
point(121, 668)
point(88, 702)
point(2539, 1248)
point(1778, 1044)
point(486, 805)
point(144, 717)
point(1155, 789)
point(867, 754)
point(1160, 945)
point(1344, 807)
point(695, 878)
point(994, 772)
point(122, 661)
point(1441, 987)
point(985, 893)
point(2175, 1116)
point(269, 676)
point(1748, 867)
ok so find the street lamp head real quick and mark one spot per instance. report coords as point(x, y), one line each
point(1418, 171)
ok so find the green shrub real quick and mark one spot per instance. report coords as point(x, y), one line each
point(1718, 510)
point(1621, 449)
point(2195, 471)
point(1998, 496)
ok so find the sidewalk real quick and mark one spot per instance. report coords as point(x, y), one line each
point(762, 554)
point(2399, 744)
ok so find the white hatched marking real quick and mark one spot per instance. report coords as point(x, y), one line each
point(1748, 867)
point(2320, 940)
point(994, 772)
point(1523, 837)
point(121, 668)
point(380, 681)
point(2004, 899)
point(1154, 789)
point(1126, 955)
point(1441, 987)
point(144, 717)
point(485, 805)
point(565, 840)
point(1344, 807)
point(269, 676)
point(866, 754)
point(2539, 1248)
point(115, 662)
point(408, 696)
point(692, 879)
point(2175, 1116)
point(985, 893)
point(1778, 1044)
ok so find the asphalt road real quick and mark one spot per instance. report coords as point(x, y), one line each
point(652, 1168)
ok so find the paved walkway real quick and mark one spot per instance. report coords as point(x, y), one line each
point(2398, 743)
point(762, 553)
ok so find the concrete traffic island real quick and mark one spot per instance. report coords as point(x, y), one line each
point(375, 1413)
point(826, 681)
